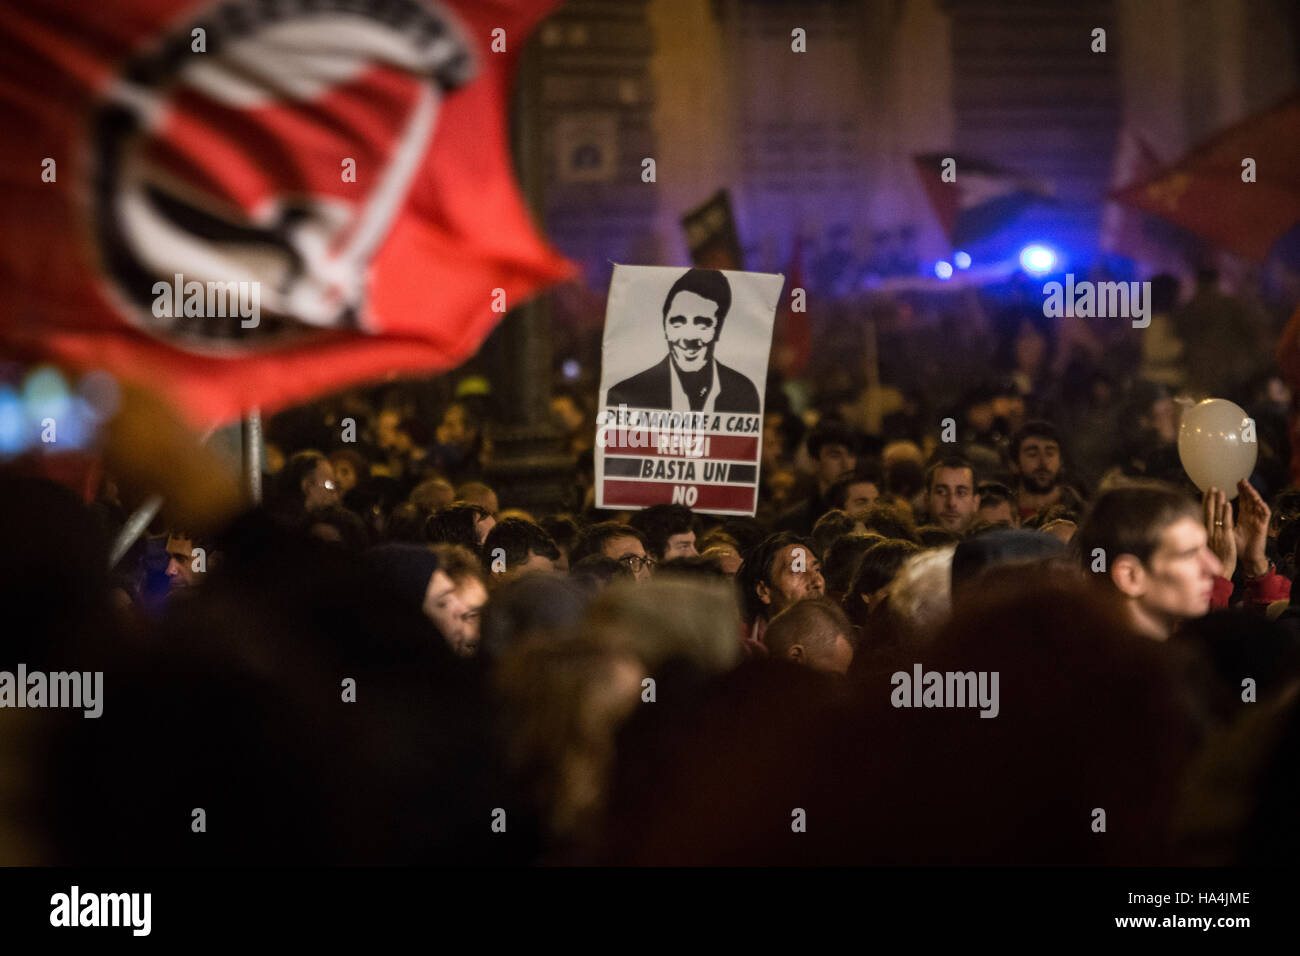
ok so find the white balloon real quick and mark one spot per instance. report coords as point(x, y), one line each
point(1217, 446)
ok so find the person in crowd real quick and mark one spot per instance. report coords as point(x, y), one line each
point(726, 554)
point(306, 484)
point(515, 546)
point(832, 447)
point(186, 560)
point(855, 492)
point(416, 579)
point(1148, 545)
point(780, 570)
point(920, 596)
point(904, 467)
point(1242, 544)
point(693, 566)
point(668, 530)
point(349, 468)
point(470, 590)
point(564, 532)
point(1000, 548)
point(622, 542)
point(933, 536)
point(890, 520)
point(478, 493)
point(340, 527)
point(842, 559)
point(459, 443)
point(594, 572)
point(874, 573)
point(432, 495)
point(832, 526)
point(997, 504)
point(463, 524)
point(1035, 456)
point(811, 633)
point(950, 494)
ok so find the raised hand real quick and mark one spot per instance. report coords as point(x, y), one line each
point(1217, 514)
point(1252, 529)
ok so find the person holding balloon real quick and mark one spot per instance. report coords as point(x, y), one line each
point(1243, 542)
point(1218, 449)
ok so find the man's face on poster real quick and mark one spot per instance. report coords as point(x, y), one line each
point(691, 329)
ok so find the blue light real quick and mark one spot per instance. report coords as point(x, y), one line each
point(943, 269)
point(570, 369)
point(15, 435)
point(45, 394)
point(961, 260)
point(1037, 260)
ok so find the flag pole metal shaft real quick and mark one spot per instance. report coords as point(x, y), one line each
point(251, 435)
point(133, 528)
point(140, 518)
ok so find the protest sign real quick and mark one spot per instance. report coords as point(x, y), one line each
point(682, 374)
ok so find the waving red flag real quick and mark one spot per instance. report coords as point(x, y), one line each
point(251, 202)
point(1205, 193)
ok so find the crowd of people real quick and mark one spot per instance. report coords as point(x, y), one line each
point(388, 661)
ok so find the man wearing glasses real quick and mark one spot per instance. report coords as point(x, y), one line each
point(619, 541)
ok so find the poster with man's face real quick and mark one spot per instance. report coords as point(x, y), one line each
point(682, 375)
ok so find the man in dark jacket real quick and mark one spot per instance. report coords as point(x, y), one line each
point(689, 379)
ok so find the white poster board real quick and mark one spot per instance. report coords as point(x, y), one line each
point(683, 368)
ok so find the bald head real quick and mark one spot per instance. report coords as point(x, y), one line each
point(813, 632)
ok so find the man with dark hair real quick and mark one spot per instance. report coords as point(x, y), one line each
point(463, 524)
point(669, 531)
point(1035, 457)
point(689, 379)
point(855, 492)
point(516, 545)
point(830, 527)
point(950, 494)
point(470, 589)
point(622, 542)
point(306, 483)
point(997, 504)
point(890, 521)
point(812, 633)
point(832, 446)
point(1149, 543)
point(564, 531)
point(182, 563)
point(780, 570)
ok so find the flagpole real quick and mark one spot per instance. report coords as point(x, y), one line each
point(142, 516)
point(251, 441)
point(133, 528)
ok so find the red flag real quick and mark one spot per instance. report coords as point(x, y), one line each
point(1205, 193)
point(330, 181)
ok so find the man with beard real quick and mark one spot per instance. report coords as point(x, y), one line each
point(950, 494)
point(1035, 457)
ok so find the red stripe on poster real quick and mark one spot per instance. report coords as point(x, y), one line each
point(641, 494)
point(718, 447)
